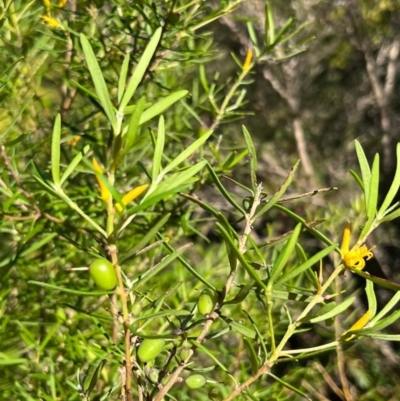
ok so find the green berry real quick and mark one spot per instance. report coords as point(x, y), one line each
point(207, 301)
point(150, 349)
point(195, 381)
point(103, 274)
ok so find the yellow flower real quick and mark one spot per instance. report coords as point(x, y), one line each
point(358, 325)
point(247, 61)
point(50, 21)
point(62, 3)
point(105, 193)
point(354, 257)
point(131, 195)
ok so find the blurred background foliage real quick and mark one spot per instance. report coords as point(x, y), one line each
point(335, 81)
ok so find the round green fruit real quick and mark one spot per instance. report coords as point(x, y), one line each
point(195, 381)
point(207, 301)
point(103, 274)
point(150, 349)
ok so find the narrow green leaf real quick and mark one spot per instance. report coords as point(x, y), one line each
point(187, 152)
point(377, 280)
point(373, 189)
point(95, 377)
point(390, 216)
point(55, 151)
point(122, 77)
point(335, 311)
point(140, 70)
point(223, 190)
point(146, 239)
point(162, 105)
point(202, 348)
point(284, 255)
point(87, 91)
point(365, 171)
point(309, 272)
point(187, 266)
point(168, 312)
point(369, 290)
point(159, 149)
point(148, 274)
point(394, 188)
point(68, 290)
point(133, 128)
point(253, 157)
point(246, 265)
point(382, 324)
point(98, 80)
point(272, 202)
point(386, 309)
point(239, 328)
point(306, 265)
point(312, 230)
point(38, 244)
point(358, 179)
point(289, 386)
point(74, 163)
point(15, 119)
point(269, 25)
point(320, 312)
point(252, 355)
point(385, 337)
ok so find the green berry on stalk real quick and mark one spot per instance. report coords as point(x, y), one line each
point(103, 274)
point(150, 348)
point(195, 381)
point(207, 301)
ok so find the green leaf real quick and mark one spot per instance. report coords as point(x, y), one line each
point(68, 290)
point(202, 348)
point(271, 202)
point(162, 105)
point(55, 151)
point(312, 230)
point(95, 377)
point(74, 163)
point(358, 179)
point(377, 280)
point(98, 80)
point(38, 244)
point(239, 328)
point(223, 191)
point(158, 151)
point(373, 195)
point(382, 324)
point(320, 312)
point(253, 157)
point(385, 337)
point(335, 311)
point(140, 70)
point(187, 152)
point(133, 127)
point(246, 265)
point(187, 266)
point(394, 188)
point(305, 265)
point(14, 120)
point(122, 77)
point(284, 255)
point(369, 290)
point(269, 25)
point(87, 91)
point(168, 312)
point(386, 309)
point(145, 240)
point(365, 171)
point(290, 387)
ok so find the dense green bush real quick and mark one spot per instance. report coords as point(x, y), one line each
point(112, 148)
